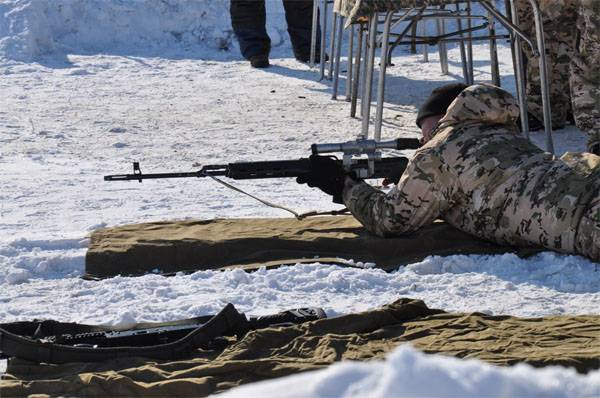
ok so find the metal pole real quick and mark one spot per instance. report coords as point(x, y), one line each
point(413, 44)
point(332, 40)
point(350, 63)
point(519, 73)
point(463, 53)
point(424, 46)
point(370, 61)
point(507, 7)
point(495, 68)
point(383, 62)
point(539, 30)
point(323, 39)
point(338, 52)
point(442, 47)
point(356, 77)
point(313, 33)
point(470, 45)
point(363, 71)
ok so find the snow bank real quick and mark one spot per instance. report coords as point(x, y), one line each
point(23, 260)
point(407, 372)
point(30, 29)
point(564, 273)
point(339, 290)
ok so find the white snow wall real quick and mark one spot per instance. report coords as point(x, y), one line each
point(30, 29)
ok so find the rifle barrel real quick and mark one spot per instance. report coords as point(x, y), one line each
point(127, 177)
point(263, 169)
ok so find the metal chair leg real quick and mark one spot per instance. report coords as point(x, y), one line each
point(443, 50)
point(323, 38)
point(369, 63)
point(539, 30)
point(470, 44)
point(495, 68)
point(519, 73)
point(332, 41)
point(364, 68)
point(350, 63)
point(336, 59)
point(424, 46)
point(385, 40)
point(463, 52)
point(357, 75)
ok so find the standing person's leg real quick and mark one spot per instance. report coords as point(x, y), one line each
point(298, 14)
point(559, 18)
point(248, 18)
point(585, 74)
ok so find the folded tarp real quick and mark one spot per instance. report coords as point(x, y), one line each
point(274, 352)
point(168, 247)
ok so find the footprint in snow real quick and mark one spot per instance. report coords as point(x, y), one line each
point(117, 130)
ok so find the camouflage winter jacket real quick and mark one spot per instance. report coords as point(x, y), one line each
point(480, 175)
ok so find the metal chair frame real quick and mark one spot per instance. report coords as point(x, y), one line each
point(361, 63)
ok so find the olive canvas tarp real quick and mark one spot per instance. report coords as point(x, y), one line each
point(175, 246)
point(274, 352)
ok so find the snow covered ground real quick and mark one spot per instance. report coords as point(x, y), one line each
point(78, 103)
point(407, 372)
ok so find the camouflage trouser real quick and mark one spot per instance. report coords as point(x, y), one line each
point(587, 239)
point(585, 71)
point(572, 36)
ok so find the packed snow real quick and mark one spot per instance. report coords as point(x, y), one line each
point(407, 372)
point(90, 86)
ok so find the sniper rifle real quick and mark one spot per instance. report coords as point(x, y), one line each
point(374, 166)
point(362, 157)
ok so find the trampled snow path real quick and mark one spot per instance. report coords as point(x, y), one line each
point(67, 121)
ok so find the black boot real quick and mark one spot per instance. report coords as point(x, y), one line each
point(259, 61)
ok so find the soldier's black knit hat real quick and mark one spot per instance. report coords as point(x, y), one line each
point(439, 101)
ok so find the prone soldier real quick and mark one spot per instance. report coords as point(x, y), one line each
point(480, 175)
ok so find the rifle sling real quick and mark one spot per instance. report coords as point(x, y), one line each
point(227, 322)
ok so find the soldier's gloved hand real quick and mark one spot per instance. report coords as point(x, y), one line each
point(327, 174)
point(393, 178)
point(594, 147)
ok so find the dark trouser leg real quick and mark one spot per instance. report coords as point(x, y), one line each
point(298, 14)
point(248, 20)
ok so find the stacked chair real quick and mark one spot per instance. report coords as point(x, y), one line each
point(386, 24)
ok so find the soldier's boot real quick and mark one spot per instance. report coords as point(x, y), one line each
point(259, 61)
point(248, 19)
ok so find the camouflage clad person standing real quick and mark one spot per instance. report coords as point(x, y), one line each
point(481, 176)
point(572, 36)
